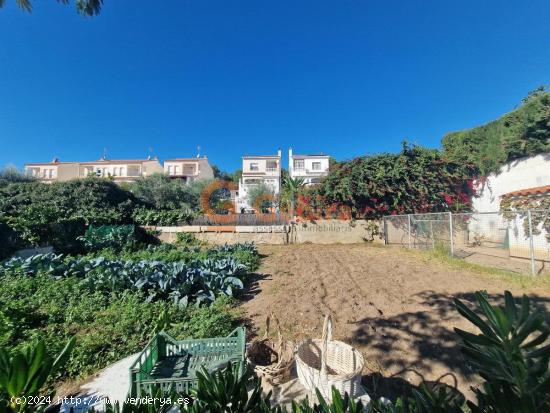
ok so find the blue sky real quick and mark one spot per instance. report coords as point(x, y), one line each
point(346, 78)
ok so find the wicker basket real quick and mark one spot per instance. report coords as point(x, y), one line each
point(271, 360)
point(325, 363)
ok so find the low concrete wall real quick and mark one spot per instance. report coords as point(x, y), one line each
point(334, 231)
point(320, 232)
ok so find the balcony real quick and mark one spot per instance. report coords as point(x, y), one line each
point(316, 171)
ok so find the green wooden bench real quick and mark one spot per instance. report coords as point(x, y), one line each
point(173, 364)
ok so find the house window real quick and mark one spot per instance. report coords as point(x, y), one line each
point(316, 166)
point(299, 165)
point(176, 170)
point(271, 166)
point(254, 166)
point(170, 170)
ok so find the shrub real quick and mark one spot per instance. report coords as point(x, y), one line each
point(24, 374)
point(522, 132)
point(56, 214)
point(9, 241)
point(150, 216)
point(415, 180)
point(186, 239)
point(511, 354)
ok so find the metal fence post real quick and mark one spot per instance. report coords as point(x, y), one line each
point(386, 242)
point(409, 219)
point(451, 234)
point(531, 244)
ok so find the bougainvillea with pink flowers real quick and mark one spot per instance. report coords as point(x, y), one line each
point(416, 180)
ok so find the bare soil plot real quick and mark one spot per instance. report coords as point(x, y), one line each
point(396, 306)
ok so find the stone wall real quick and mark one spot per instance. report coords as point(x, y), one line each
point(321, 232)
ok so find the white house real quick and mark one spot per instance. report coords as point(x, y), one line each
point(258, 170)
point(189, 169)
point(312, 168)
point(527, 179)
point(514, 176)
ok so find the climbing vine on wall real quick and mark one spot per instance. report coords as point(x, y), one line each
point(540, 212)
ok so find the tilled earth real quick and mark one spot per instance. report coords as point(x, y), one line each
point(395, 306)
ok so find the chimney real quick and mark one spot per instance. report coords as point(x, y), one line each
point(279, 153)
point(289, 153)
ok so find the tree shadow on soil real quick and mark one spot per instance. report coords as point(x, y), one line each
point(394, 387)
point(413, 342)
point(251, 289)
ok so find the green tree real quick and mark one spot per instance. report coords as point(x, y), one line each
point(219, 174)
point(261, 191)
point(237, 175)
point(161, 192)
point(11, 174)
point(291, 188)
point(85, 7)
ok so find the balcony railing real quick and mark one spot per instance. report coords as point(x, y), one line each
point(310, 171)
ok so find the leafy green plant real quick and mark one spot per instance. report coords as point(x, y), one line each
point(338, 404)
point(187, 239)
point(108, 326)
point(511, 354)
point(200, 281)
point(226, 391)
point(25, 373)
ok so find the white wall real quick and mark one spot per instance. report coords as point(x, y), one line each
point(519, 174)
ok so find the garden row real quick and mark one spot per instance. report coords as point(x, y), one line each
point(197, 280)
point(116, 294)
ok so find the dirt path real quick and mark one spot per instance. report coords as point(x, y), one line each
point(395, 306)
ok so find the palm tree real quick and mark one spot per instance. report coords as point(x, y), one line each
point(292, 186)
point(86, 7)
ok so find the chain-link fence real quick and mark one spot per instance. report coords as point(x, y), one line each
point(517, 241)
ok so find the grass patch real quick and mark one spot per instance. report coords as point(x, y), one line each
point(525, 280)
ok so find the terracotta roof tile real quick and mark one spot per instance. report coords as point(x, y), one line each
point(539, 190)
